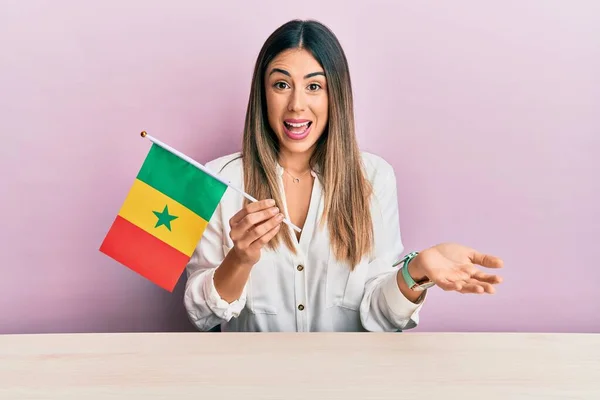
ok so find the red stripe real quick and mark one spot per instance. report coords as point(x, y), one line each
point(143, 253)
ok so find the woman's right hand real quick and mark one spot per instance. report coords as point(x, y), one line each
point(252, 227)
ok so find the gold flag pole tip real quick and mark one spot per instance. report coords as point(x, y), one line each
point(143, 134)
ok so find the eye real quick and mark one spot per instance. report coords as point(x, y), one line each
point(280, 85)
point(313, 87)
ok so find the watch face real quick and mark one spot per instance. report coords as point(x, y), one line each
point(423, 286)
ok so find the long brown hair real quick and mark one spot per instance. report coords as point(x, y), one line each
point(336, 157)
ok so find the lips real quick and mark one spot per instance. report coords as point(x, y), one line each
point(297, 129)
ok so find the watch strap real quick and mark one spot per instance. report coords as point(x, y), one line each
point(410, 282)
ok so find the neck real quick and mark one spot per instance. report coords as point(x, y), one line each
point(295, 163)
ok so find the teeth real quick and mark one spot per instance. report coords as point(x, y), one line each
point(295, 125)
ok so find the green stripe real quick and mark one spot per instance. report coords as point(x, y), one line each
point(182, 181)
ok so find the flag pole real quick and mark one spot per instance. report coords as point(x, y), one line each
point(209, 172)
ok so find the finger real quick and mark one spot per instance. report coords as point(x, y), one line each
point(262, 229)
point(251, 208)
point(473, 288)
point(474, 272)
point(488, 278)
point(256, 218)
point(486, 260)
point(264, 239)
point(485, 286)
point(449, 285)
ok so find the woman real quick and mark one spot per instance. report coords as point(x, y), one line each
point(252, 272)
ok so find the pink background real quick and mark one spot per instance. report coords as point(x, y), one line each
point(489, 111)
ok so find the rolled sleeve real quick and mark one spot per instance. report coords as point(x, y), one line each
point(403, 312)
point(205, 307)
point(384, 307)
point(220, 307)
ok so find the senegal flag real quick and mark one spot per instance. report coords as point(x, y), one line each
point(163, 217)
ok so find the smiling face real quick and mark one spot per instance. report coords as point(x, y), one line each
point(297, 103)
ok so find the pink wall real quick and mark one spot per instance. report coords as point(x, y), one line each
point(488, 111)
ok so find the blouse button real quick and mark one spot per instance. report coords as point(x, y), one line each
point(299, 267)
point(300, 307)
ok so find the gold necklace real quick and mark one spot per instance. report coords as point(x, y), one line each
point(296, 180)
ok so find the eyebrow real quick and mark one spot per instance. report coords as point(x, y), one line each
point(283, 71)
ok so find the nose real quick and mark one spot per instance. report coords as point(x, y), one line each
point(297, 101)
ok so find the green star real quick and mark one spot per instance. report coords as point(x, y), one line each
point(164, 218)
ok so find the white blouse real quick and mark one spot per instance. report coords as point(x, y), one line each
point(309, 291)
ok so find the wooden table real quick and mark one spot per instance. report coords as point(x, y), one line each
point(286, 366)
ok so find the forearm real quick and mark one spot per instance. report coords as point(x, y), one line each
point(231, 277)
point(416, 273)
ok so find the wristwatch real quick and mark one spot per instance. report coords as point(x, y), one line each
point(410, 282)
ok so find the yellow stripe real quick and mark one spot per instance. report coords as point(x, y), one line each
point(186, 229)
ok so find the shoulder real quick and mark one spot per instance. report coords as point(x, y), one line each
point(377, 169)
point(228, 166)
point(382, 177)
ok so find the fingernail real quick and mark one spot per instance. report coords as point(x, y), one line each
point(271, 202)
point(280, 217)
point(275, 210)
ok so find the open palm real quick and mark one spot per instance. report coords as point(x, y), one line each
point(453, 266)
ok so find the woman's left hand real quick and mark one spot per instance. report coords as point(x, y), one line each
point(452, 266)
